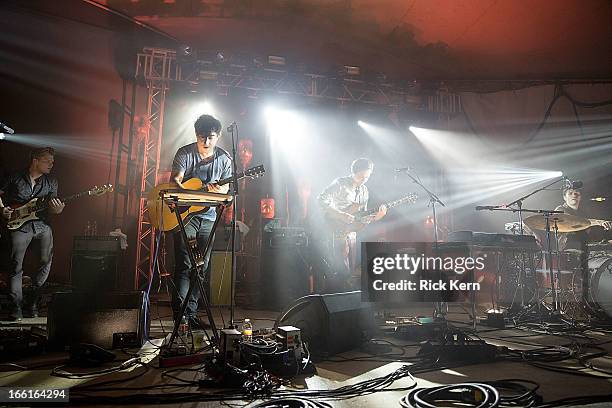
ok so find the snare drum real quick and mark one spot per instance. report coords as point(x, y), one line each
point(600, 284)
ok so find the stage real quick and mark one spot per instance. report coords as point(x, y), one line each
point(557, 359)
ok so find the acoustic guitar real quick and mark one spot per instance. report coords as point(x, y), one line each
point(30, 210)
point(163, 218)
point(363, 218)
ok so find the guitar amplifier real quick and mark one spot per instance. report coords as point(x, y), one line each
point(94, 263)
point(96, 244)
point(282, 237)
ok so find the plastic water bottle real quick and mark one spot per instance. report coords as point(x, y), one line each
point(247, 331)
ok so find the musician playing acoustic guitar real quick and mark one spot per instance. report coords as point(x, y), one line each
point(203, 160)
point(344, 197)
point(17, 189)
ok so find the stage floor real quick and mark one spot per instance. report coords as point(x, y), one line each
point(380, 357)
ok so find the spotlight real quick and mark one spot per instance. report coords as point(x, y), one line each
point(185, 54)
point(2, 136)
point(276, 60)
point(351, 70)
point(209, 75)
point(361, 123)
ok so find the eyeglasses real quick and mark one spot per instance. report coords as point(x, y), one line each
point(208, 136)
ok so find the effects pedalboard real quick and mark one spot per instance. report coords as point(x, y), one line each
point(278, 351)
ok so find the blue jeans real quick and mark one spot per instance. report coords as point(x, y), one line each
point(20, 241)
point(200, 229)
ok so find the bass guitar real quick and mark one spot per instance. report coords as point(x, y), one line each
point(164, 219)
point(30, 210)
point(363, 218)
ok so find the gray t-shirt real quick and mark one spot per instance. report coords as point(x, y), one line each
point(210, 170)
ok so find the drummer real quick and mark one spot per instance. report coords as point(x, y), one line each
point(571, 205)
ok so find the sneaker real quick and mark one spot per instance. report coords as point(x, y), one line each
point(198, 324)
point(32, 311)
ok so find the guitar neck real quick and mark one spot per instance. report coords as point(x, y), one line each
point(395, 203)
point(389, 204)
point(253, 172)
point(63, 200)
point(230, 179)
point(74, 196)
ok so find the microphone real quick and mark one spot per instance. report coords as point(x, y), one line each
point(488, 207)
point(598, 199)
point(6, 129)
point(231, 127)
point(403, 169)
point(572, 184)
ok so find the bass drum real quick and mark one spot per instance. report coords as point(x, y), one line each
point(600, 285)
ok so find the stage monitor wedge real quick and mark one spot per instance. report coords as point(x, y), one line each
point(331, 323)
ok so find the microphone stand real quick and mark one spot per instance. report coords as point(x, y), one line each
point(519, 203)
point(233, 128)
point(433, 199)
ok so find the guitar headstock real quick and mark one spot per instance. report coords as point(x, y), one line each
point(106, 188)
point(255, 172)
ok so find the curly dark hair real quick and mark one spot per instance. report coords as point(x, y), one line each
point(207, 124)
point(361, 164)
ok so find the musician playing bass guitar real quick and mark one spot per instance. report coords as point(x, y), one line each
point(343, 198)
point(203, 160)
point(17, 189)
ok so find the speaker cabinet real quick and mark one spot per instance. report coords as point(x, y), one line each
point(105, 319)
point(332, 323)
point(94, 272)
point(284, 276)
point(94, 263)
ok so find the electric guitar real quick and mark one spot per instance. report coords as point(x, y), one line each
point(29, 211)
point(164, 219)
point(363, 218)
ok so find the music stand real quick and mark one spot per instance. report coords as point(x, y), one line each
point(172, 198)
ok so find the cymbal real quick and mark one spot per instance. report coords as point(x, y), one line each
point(565, 222)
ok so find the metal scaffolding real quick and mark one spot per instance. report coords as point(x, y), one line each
point(161, 69)
point(157, 67)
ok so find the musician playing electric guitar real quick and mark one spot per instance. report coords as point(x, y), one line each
point(17, 189)
point(209, 163)
point(339, 202)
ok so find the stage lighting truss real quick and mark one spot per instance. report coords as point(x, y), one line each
point(160, 70)
point(273, 77)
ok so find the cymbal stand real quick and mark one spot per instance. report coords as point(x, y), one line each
point(554, 276)
point(196, 279)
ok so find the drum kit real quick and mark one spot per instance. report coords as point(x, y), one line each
point(579, 277)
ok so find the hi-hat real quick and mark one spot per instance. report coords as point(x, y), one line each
point(565, 222)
